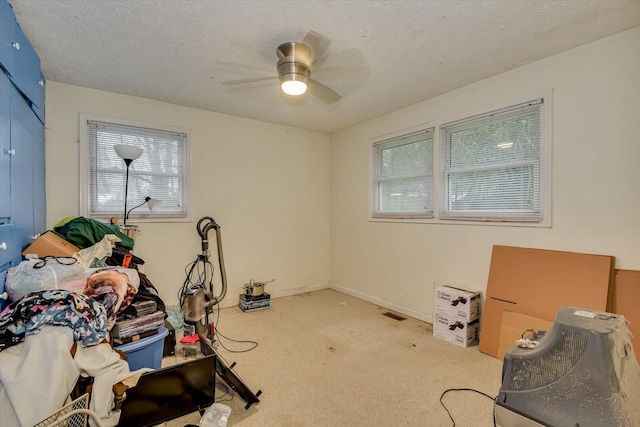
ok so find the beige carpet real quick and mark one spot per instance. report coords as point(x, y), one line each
point(329, 359)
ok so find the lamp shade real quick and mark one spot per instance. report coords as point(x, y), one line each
point(153, 204)
point(128, 152)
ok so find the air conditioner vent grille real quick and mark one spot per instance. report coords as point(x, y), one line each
point(530, 373)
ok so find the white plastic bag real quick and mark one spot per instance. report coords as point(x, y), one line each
point(25, 278)
point(217, 415)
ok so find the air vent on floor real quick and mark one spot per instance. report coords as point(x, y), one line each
point(394, 316)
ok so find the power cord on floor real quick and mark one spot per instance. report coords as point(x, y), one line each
point(464, 389)
point(228, 391)
point(219, 334)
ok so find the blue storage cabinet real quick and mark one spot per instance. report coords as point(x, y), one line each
point(22, 155)
point(19, 60)
point(5, 147)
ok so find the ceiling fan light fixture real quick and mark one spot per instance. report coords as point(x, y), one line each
point(294, 65)
point(293, 84)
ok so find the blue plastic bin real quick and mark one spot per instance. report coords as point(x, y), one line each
point(147, 352)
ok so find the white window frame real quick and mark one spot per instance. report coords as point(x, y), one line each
point(394, 141)
point(140, 215)
point(545, 169)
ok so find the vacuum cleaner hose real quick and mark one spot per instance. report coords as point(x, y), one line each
point(205, 224)
point(203, 230)
point(223, 273)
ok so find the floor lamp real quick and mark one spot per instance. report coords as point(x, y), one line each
point(128, 153)
point(152, 204)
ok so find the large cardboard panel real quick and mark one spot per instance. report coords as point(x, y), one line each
point(512, 327)
point(540, 276)
point(491, 323)
point(538, 282)
point(626, 301)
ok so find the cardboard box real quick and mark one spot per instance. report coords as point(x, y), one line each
point(459, 303)
point(625, 301)
point(455, 331)
point(538, 282)
point(514, 325)
point(51, 244)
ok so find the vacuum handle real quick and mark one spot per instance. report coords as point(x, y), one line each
point(203, 230)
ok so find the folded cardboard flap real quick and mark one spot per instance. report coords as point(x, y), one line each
point(490, 334)
point(538, 282)
point(625, 302)
point(50, 244)
point(514, 325)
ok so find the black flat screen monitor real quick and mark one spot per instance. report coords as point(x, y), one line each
point(169, 393)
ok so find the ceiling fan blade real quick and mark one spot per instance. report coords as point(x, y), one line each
point(250, 80)
point(317, 43)
point(323, 73)
point(239, 66)
point(250, 52)
point(353, 78)
point(323, 92)
point(348, 58)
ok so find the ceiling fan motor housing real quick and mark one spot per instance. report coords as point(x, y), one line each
point(294, 61)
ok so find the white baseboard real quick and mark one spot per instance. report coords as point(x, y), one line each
point(231, 301)
point(397, 308)
point(296, 291)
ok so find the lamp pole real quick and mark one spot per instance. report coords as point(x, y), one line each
point(128, 153)
point(126, 189)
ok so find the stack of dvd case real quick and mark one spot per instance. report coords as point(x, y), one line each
point(251, 303)
point(126, 328)
point(142, 308)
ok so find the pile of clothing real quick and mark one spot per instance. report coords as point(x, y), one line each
point(55, 341)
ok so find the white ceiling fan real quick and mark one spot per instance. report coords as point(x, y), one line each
point(296, 63)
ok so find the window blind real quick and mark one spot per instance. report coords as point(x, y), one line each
point(404, 176)
point(160, 172)
point(491, 166)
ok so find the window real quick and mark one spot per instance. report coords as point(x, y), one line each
point(161, 171)
point(404, 176)
point(491, 166)
point(488, 166)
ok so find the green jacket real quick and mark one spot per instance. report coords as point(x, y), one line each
point(84, 232)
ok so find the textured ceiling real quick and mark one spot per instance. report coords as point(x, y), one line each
point(396, 53)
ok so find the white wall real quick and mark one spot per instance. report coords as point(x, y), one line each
point(266, 185)
point(293, 204)
point(596, 181)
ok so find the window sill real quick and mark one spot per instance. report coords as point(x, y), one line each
point(438, 221)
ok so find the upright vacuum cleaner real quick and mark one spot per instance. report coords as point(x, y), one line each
point(196, 296)
point(197, 300)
